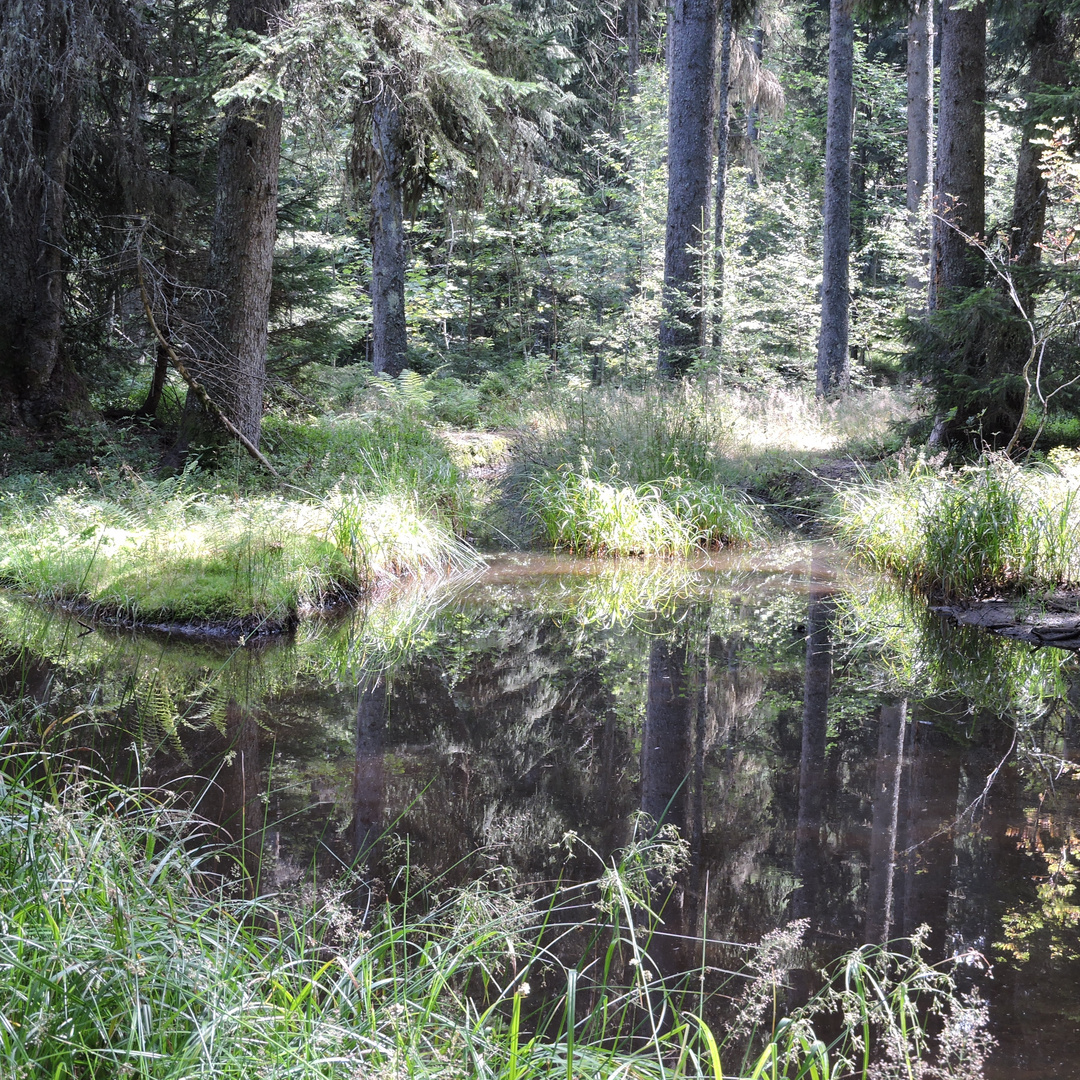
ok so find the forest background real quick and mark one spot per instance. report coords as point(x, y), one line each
point(526, 147)
point(227, 220)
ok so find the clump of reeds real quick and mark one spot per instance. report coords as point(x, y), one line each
point(968, 532)
point(124, 952)
point(594, 517)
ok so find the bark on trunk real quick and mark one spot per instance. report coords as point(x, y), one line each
point(36, 379)
point(242, 240)
point(633, 43)
point(721, 177)
point(387, 238)
point(1011, 348)
point(920, 123)
point(833, 369)
point(959, 183)
point(1048, 44)
point(691, 38)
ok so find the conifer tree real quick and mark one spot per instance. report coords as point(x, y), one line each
point(46, 50)
point(691, 34)
point(920, 116)
point(833, 368)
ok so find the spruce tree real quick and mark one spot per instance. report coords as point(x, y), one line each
point(833, 368)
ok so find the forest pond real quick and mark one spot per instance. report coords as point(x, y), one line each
point(830, 749)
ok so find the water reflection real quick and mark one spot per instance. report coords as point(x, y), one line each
point(829, 751)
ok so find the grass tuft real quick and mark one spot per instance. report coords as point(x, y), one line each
point(590, 517)
point(969, 532)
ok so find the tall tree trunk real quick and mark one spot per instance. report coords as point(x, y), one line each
point(38, 113)
point(833, 368)
point(722, 128)
point(242, 239)
point(920, 122)
point(1012, 347)
point(1048, 43)
point(633, 43)
point(691, 39)
point(959, 182)
point(169, 220)
point(387, 238)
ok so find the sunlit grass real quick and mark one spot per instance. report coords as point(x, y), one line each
point(179, 556)
point(700, 431)
point(592, 517)
point(665, 468)
point(968, 532)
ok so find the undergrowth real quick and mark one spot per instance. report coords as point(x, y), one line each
point(168, 551)
point(969, 532)
point(667, 468)
point(125, 952)
point(591, 517)
point(383, 489)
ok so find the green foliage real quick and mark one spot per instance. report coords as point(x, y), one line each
point(121, 952)
point(172, 555)
point(591, 517)
point(970, 532)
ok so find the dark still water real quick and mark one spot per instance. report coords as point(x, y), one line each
point(828, 750)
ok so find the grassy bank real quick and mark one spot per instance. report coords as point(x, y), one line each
point(663, 470)
point(125, 952)
point(154, 556)
point(373, 497)
point(387, 489)
point(969, 532)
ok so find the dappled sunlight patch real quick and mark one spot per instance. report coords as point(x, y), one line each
point(217, 559)
point(797, 422)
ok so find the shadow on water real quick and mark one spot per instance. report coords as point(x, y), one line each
point(828, 750)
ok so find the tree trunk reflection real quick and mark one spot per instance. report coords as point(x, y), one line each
point(665, 768)
point(886, 808)
point(369, 779)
